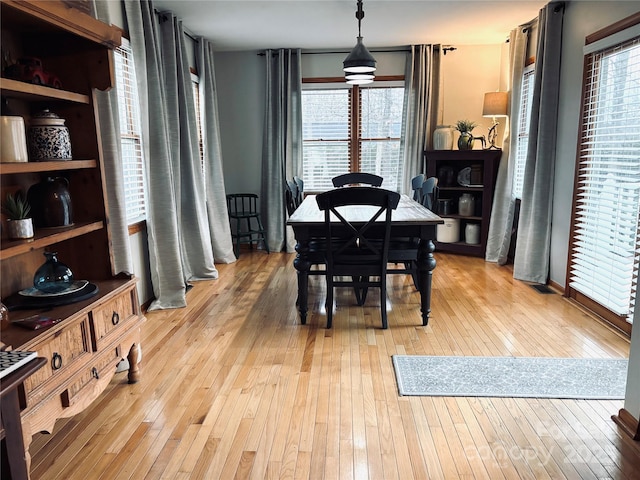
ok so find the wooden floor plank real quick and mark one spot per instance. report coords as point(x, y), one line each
point(233, 386)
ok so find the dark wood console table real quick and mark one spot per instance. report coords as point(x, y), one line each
point(10, 423)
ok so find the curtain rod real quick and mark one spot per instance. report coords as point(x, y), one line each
point(262, 54)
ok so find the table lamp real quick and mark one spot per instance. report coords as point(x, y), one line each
point(495, 105)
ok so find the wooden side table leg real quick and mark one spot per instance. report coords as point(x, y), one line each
point(134, 359)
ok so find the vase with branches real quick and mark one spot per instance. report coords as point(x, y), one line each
point(466, 139)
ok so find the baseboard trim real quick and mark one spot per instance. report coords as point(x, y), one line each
point(627, 423)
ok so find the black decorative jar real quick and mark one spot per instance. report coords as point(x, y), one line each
point(50, 202)
point(52, 276)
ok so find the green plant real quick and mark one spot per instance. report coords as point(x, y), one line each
point(16, 207)
point(465, 125)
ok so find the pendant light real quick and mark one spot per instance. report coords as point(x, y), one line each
point(359, 64)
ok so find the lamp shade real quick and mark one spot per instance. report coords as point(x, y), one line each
point(495, 104)
point(359, 60)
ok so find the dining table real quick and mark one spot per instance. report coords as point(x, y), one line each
point(410, 220)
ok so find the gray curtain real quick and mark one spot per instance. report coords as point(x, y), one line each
point(500, 226)
point(180, 247)
point(214, 178)
point(281, 143)
point(534, 228)
point(107, 106)
point(423, 108)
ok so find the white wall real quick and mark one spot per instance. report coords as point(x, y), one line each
point(241, 98)
point(468, 73)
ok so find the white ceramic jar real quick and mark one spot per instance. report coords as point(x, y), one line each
point(472, 233)
point(48, 138)
point(443, 137)
point(13, 140)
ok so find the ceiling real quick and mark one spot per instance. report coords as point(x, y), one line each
point(331, 24)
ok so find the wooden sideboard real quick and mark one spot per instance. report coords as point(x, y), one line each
point(91, 336)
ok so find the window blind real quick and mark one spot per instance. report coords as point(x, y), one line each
point(605, 243)
point(328, 115)
point(130, 134)
point(381, 126)
point(524, 120)
point(325, 136)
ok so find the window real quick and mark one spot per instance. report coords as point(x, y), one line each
point(130, 134)
point(524, 119)
point(351, 129)
point(605, 251)
point(195, 83)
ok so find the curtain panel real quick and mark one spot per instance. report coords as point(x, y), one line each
point(281, 143)
point(423, 108)
point(534, 227)
point(504, 202)
point(217, 214)
point(179, 231)
point(107, 106)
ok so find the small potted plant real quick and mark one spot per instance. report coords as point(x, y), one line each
point(466, 140)
point(17, 210)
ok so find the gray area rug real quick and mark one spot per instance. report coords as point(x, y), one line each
point(579, 378)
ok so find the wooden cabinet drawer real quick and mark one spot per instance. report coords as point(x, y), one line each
point(65, 352)
point(112, 319)
point(86, 382)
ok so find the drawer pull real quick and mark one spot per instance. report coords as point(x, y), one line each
point(56, 361)
point(115, 318)
point(95, 374)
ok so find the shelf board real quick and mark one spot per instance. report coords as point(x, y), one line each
point(17, 89)
point(45, 237)
point(54, 166)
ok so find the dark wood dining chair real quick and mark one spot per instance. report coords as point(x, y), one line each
point(243, 211)
point(291, 196)
point(357, 249)
point(416, 186)
point(357, 178)
point(430, 193)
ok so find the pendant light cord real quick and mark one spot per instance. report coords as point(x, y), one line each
point(359, 16)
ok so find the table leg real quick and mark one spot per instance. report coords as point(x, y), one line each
point(426, 265)
point(17, 453)
point(302, 265)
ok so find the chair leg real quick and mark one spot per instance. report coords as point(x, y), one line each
point(328, 305)
point(383, 301)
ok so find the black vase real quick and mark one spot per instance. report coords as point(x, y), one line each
point(50, 202)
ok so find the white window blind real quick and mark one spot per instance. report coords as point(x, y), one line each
point(325, 135)
point(381, 124)
point(327, 117)
point(605, 248)
point(130, 134)
point(524, 120)
point(195, 84)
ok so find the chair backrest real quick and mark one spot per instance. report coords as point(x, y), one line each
point(430, 193)
point(416, 186)
point(300, 190)
point(361, 178)
point(353, 243)
point(242, 203)
point(290, 195)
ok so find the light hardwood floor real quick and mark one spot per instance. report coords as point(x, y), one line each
point(234, 387)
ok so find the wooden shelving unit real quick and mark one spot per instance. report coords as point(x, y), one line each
point(486, 162)
point(93, 334)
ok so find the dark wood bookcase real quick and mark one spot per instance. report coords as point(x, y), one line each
point(484, 165)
